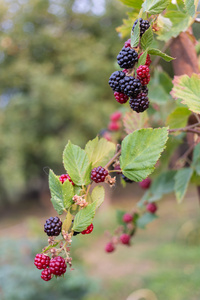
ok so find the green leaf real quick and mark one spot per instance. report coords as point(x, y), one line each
point(180, 22)
point(190, 7)
point(67, 224)
point(61, 194)
point(136, 4)
point(133, 121)
point(182, 180)
point(155, 7)
point(157, 52)
point(164, 183)
point(178, 118)
point(84, 217)
point(135, 35)
point(140, 152)
point(100, 151)
point(147, 39)
point(145, 219)
point(196, 159)
point(77, 164)
point(98, 195)
point(143, 57)
point(119, 216)
point(188, 90)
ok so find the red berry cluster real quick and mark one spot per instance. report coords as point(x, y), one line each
point(151, 207)
point(115, 123)
point(98, 174)
point(143, 74)
point(88, 230)
point(55, 266)
point(145, 184)
point(65, 177)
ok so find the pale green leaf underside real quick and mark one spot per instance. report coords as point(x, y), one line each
point(61, 194)
point(99, 151)
point(188, 90)
point(135, 35)
point(157, 52)
point(77, 164)
point(182, 180)
point(147, 39)
point(178, 118)
point(98, 195)
point(142, 59)
point(84, 217)
point(140, 152)
point(145, 219)
point(133, 3)
point(154, 7)
point(190, 7)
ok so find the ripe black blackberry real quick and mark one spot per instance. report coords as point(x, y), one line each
point(140, 103)
point(145, 89)
point(144, 25)
point(126, 179)
point(115, 79)
point(53, 226)
point(98, 174)
point(130, 86)
point(127, 58)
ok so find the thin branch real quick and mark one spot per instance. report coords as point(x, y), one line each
point(113, 159)
point(186, 129)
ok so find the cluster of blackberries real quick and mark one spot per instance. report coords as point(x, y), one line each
point(55, 266)
point(124, 83)
point(98, 174)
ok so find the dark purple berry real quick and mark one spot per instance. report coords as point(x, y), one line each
point(53, 226)
point(99, 174)
point(126, 179)
point(144, 25)
point(127, 58)
point(140, 103)
point(115, 79)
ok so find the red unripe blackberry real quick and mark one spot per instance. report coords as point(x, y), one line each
point(148, 59)
point(41, 261)
point(99, 174)
point(140, 103)
point(126, 179)
point(127, 58)
point(115, 116)
point(113, 126)
point(127, 44)
point(125, 71)
point(88, 230)
point(144, 25)
point(143, 74)
point(120, 97)
point(57, 266)
point(145, 184)
point(114, 80)
point(53, 226)
point(130, 86)
point(46, 274)
point(109, 247)
point(127, 218)
point(65, 177)
point(151, 207)
point(125, 239)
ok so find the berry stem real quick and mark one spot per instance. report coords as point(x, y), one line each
point(113, 159)
point(115, 171)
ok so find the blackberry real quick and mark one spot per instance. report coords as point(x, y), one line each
point(88, 230)
point(114, 80)
point(99, 174)
point(144, 25)
point(109, 247)
point(57, 266)
point(126, 179)
point(127, 58)
point(53, 226)
point(127, 43)
point(140, 103)
point(143, 74)
point(130, 86)
point(46, 274)
point(125, 238)
point(148, 59)
point(145, 89)
point(41, 261)
point(120, 97)
point(151, 207)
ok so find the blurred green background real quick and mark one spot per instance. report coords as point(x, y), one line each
point(55, 60)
